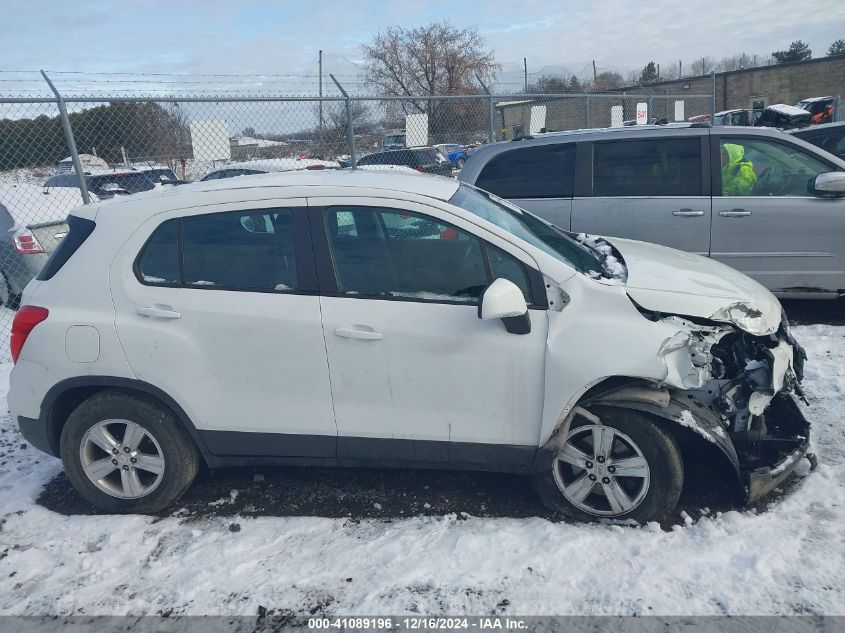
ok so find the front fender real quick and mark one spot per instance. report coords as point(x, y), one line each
point(661, 402)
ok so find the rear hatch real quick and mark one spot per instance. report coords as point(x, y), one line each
point(49, 234)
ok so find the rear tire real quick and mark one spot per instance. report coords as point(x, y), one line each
point(588, 484)
point(126, 453)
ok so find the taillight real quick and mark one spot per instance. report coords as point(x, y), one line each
point(420, 169)
point(26, 243)
point(25, 319)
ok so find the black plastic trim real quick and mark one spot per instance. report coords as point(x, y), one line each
point(51, 427)
point(79, 229)
point(35, 432)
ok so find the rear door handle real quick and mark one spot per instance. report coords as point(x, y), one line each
point(735, 213)
point(688, 213)
point(365, 335)
point(158, 312)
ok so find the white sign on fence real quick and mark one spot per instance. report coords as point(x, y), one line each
point(616, 116)
point(679, 110)
point(642, 113)
point(416, 130)
point(210, 140)
point(538, 119)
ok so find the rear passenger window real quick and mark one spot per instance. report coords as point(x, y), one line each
point(657, 167)
point(159, 261)
point(244, 250)
point(540, 171)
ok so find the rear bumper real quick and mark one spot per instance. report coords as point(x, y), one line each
point(35, 432)
point(787, 443)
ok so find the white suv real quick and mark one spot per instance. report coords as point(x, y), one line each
point(376, 319)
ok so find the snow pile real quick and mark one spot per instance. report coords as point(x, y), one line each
point(787, 559)
point(258, 142)
point(612, 266)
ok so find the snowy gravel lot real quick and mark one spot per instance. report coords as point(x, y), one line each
point(441, 550)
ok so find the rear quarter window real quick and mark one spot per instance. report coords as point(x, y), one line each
point(540, 171)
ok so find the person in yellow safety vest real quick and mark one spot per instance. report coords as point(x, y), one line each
point(738, 177)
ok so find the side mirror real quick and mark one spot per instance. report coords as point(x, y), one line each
point(503, 300)
point(829, 185)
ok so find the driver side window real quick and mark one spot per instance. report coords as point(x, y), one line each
point(752, 167)
point(388, 253)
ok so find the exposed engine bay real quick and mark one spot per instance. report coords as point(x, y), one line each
point(735, 389)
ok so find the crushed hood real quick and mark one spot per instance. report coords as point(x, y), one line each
point(667, 280)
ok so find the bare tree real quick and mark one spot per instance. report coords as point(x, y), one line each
point(332, 140)
point(608, 80)
point(702, 66)
point(549, 84)
point(436, 59)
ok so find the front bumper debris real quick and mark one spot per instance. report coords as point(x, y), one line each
point(767, 458)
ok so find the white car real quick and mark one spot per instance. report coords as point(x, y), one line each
point(380, 319)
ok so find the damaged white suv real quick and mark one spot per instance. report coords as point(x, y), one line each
point(375, 319)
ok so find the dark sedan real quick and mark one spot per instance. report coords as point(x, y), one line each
point(424, 159)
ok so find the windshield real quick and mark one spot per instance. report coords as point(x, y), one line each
point(519, 222)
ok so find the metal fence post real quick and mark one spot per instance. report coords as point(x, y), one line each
point(491, 114)
point(350, 126)
point(587, 108)
point(713, 96)
point(71, 143)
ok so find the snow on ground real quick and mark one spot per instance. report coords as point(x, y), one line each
point(786, 559)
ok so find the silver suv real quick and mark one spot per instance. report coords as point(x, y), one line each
point(759, 200)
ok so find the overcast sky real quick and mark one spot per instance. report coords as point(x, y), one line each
point(255, 36)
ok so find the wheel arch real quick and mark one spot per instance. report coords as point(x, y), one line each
point(65, 396)
point(663, 406)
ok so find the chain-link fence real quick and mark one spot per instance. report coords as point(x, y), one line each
point(125, 145)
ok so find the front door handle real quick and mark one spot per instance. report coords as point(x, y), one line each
point(688, 213)
point(735, 213)
point(158, 312)
point(364, 335)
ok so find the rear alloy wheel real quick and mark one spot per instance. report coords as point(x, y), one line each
point(125, 452)
point(122, 459)
point(615, 464)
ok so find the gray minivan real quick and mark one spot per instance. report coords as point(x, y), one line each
point(762, 201)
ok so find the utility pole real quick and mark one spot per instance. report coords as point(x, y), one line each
point(680, 68)
point(595, 74)
point(525, 71)
point(320, 90)
point(658, 73)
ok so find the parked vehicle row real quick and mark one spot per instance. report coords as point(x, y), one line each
point(759, 200)
point(358, 318)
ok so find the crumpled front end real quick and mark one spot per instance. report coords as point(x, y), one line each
point(738, 391)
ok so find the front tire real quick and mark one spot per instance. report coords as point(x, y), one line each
point(126, 453)
point(616, 464)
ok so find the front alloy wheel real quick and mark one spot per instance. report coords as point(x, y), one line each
point(602, 471)
point(616, 463)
